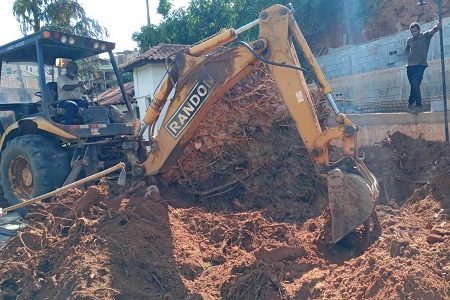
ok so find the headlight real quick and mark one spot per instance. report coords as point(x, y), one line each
point(64, 39)
point(71, 40)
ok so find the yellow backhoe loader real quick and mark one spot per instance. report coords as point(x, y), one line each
point(200, 75)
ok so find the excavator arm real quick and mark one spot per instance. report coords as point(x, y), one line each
point(203, 73)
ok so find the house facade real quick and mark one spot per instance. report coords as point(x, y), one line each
point(149, 71)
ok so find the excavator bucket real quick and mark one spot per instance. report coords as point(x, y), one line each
point(353, 194)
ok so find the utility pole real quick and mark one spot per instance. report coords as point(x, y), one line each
point(444, 86)
point(148, 14)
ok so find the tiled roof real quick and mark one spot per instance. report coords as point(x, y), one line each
point(159, 52)
point(114, 95)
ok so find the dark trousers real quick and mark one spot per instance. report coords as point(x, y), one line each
point(71, 107)
point(415, 76)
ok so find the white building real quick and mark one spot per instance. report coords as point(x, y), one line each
point(149, 71)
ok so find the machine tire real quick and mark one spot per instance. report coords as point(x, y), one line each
point(41, 163)
point(3, 202)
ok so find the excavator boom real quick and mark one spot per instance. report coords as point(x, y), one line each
point(203, 73)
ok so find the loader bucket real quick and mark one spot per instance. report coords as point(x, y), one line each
point(353, 194)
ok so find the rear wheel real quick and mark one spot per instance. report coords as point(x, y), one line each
point(3, 202)
point(32, 165)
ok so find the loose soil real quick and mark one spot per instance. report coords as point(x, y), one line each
point(378, 19)
point(242, 215)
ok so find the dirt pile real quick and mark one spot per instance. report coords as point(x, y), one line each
point(141, 245)
point(393, 16)
point(362, 21)
point(243, 215)
point(247, 153)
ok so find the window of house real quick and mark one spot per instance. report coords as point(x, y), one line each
point(136, 111)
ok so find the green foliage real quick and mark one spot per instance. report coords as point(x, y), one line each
point(314, 17)
point(87, 66)
point(147, 37)
point(63, 15)
point(126, 76)
point(164, 8)
point(29, 14)
point(69, 16)
point(204, 18)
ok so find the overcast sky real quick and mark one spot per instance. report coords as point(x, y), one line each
point(120, 20)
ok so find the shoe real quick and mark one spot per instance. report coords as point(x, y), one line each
point(410, 108)
point(417, 110)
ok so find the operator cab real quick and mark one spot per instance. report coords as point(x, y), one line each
point(30, 68)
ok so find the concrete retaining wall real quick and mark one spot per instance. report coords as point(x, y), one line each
point(383, 53)
point(390, 84)
point(376, 70)
point(373, 128)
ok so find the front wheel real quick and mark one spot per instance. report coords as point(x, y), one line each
point(32, 165)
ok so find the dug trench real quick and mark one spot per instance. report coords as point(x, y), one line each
point(243, 215)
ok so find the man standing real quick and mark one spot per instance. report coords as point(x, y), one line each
point(416, 52)
point(71, 89)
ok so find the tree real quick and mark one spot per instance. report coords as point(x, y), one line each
point(69, 16)
point(29, 14)
point(63, 15)
point(126, 76)
point(203, 18)
point(89, 66)
point(164, 8)
point(147, 37)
